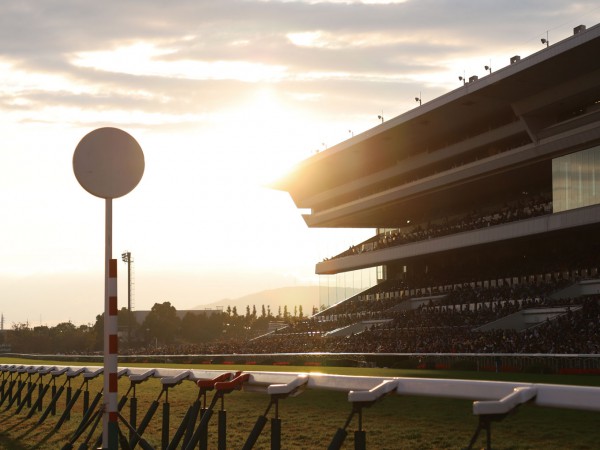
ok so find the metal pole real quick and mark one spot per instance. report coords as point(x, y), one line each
point(129, 299)
point(166, 418)
point(110, 435)
point(275, 433)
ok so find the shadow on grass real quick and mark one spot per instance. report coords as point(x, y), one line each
point(29, 434)
point(24, 434)
point(16, 424)
point(14, 442)
point(7, 443)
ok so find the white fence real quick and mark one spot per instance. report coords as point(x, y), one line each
point(490, 398)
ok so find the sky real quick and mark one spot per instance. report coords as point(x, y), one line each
point(223, 97)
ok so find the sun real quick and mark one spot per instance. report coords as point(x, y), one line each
point(261, 138)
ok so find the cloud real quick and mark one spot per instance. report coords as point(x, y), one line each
point(229, 47)
point(217, 93)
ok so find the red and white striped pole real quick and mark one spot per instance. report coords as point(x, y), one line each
point(109, 163)
point(110, 433)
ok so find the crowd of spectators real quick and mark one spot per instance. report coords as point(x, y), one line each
point(575, 332)
point(377, 302)
point(448, 326)
point(531, 206)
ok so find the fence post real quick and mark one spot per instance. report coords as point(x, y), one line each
point(166, 416)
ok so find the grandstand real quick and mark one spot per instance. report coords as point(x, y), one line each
point(485, 202)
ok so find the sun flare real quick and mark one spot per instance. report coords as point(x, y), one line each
point(261, 138)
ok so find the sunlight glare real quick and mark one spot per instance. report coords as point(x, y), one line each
point(267, 140)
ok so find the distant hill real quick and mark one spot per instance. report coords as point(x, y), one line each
point(307, 296)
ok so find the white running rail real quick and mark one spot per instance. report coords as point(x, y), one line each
point(489, 397)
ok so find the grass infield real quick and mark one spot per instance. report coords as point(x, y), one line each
point(310, 420)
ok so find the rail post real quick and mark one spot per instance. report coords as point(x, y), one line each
point(205, 386)
point(360, 400)
point(30, 383)
point(9, 383)
point(56, 394)
point(20, 386)
point(222, 388)
point(133, 401)
point(276, 392)
point(2, 383)
point(166, 418)
point(42, 390)
point(86, 397)
point(27, 400)
point(68, 394)
point(496, 410)
point(169, 382)
point(137, 436)
point(134, 380)
point(182, 427)
point(52, 394)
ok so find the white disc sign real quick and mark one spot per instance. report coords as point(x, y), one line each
point(108, 162)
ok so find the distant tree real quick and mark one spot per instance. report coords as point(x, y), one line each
point(234, 311)
point(162, 323)
point(247, 311)
point(21, 327)
point(98, 332)
point(295, 311)
point(254, 311)
point(269, 311)
point(21, 337)
point(43, 340)
point(279, 312)
point(87, 336)
point(286, 314)
point(201, 327)
point(228, 310)
point(300, 314)
point(126, 319)
point(263, 312)
point(65, 337)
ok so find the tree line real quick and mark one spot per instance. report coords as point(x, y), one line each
point(162, 326)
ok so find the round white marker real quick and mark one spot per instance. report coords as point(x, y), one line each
point(108, 163)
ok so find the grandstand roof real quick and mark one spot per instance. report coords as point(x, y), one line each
point(499, 131)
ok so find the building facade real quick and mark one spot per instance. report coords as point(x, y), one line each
point(494, 182)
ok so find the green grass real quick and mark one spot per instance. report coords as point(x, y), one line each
point(311, 419)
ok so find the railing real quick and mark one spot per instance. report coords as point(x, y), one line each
point(496, 362)
point(492, 400)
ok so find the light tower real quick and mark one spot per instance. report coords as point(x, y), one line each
point(128, 259)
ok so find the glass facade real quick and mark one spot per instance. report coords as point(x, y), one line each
point(576, 180)
point(335, 288)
